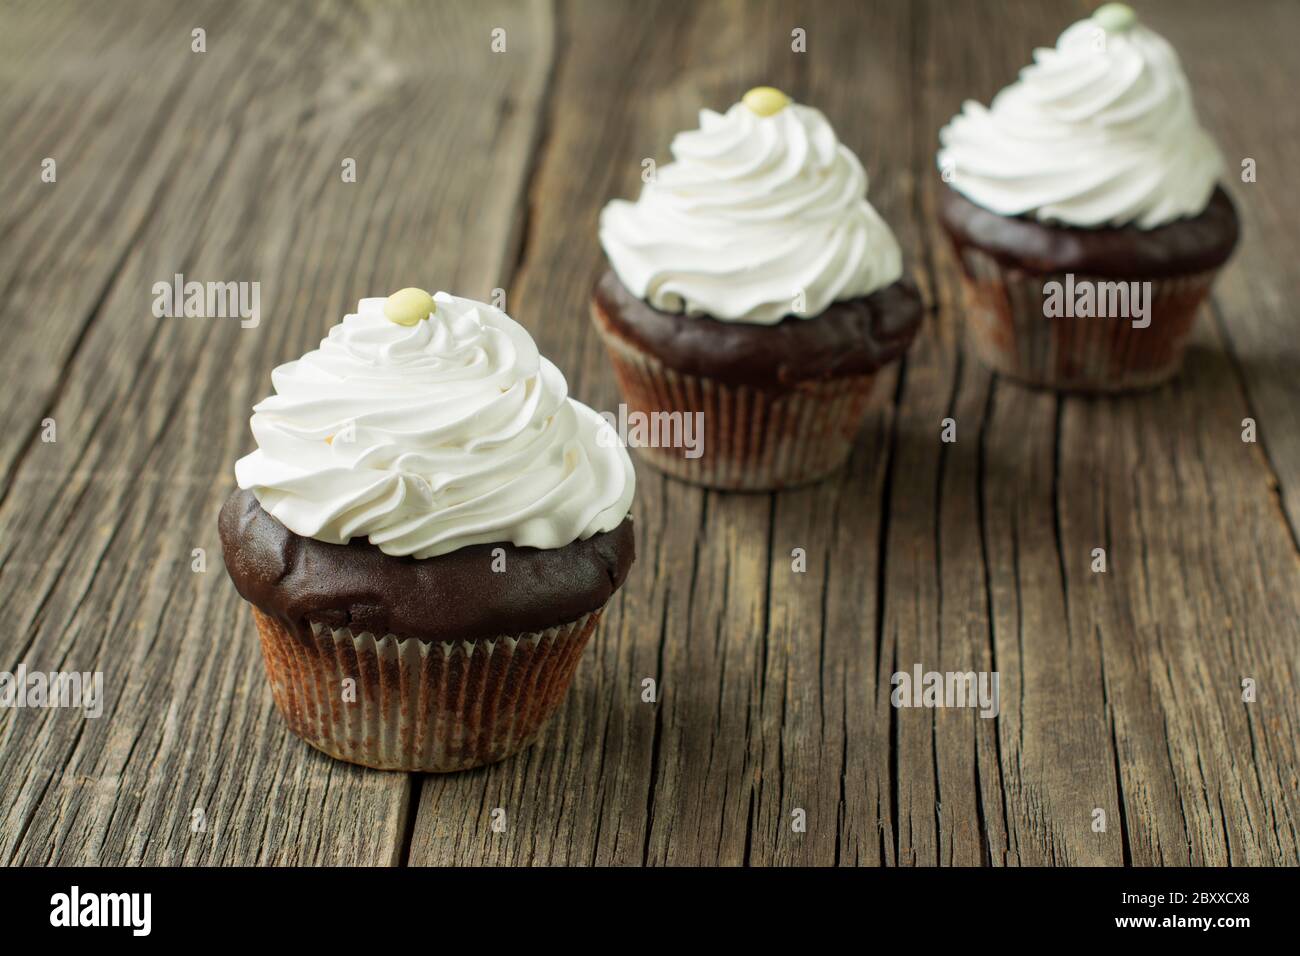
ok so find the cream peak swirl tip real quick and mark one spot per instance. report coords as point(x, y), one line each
point(1098, 131)
point(761, 214)
point(428, 423)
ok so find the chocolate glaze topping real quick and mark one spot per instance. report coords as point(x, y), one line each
point(451, 597)
point(854, 337)
point(1182, 247)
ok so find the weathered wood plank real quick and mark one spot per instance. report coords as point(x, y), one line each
point(756, 707)
point(1120, 691)
point(1200, 593)
point(66, 79)
point(1090, 689)
point(824, 747)
point(971, 556)
point(988, 565)
point(1245, 98)
point(1209, 595)
point(582, 794)
point(97, 532)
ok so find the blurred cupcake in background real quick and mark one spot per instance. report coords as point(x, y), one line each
point(753, 289)
point(1086, 212)
point(428, 532)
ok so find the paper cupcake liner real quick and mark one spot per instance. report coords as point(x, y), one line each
point(414, 705)
point(753, 439)
point(1008, 330)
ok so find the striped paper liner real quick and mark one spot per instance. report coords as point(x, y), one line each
point(414, 705)
point(1008, 330)
point(753, 439)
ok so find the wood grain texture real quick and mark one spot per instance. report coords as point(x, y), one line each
point(242, 180)
point(478, 170)
point(1255, 303)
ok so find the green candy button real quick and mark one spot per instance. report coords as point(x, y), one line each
point(1114, 16)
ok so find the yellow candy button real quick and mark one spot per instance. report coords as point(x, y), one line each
point(408, 306)
point(1114, 16)
point(766, 100)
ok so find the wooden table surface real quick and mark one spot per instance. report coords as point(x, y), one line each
point(479, 170)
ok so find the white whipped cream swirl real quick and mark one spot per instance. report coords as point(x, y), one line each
point(1100, 131)
point(754, 212)
point(428, 438)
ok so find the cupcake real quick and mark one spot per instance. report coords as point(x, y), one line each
point(1085, 211)
point(428, 532)
point(752, 295)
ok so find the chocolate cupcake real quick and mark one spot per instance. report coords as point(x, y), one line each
point(1085, 211)
point(752, 296)
point(428, 532)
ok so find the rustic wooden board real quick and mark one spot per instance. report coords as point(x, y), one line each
point(479, 170)
point(1250, 109)
point(241, 179)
